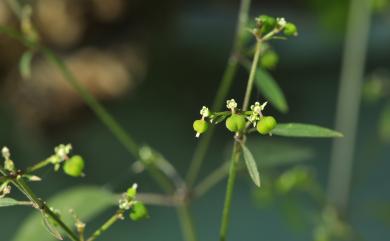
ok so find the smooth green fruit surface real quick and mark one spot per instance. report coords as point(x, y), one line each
point(290, 29)
point(74, 166)
point(267, 22)
point(235, 123)
point(200, 126)
point(138, 212)
point(266, 124)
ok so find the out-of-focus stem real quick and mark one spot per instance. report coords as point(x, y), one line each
point(222, 92)
point(347, 116)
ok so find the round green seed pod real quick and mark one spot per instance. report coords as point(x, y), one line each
point(266, 124)
point(269, 60)
point(74, 166)
point(267, 23)
point(235, 123)
point(200, 126)
point(290, 30)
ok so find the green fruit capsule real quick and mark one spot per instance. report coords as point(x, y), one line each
point(290, 30)
point(235, 123)
point(200, 126)
point(266, 124)
point(74, 166)
point(138, 212)
point(267, 23)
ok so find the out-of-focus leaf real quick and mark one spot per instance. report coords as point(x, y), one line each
point(251, 165)
point(384, 124)
point(86, 201)
point(271, 90)
point(294, 213)
point(6, 202)
point(278, 153)
point(304, 130)
point(25, 64)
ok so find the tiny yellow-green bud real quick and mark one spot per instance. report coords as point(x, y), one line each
point(74, 166)
point(235, 123)
point(266, 124)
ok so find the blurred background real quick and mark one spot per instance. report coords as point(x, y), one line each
point(153, 64)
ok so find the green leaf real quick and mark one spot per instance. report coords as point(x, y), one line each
point(25, 64)
point(86, 201)
point(251, 165)
point(304, 130)
point(275, 153)
point(6, 202)
point(271, 90)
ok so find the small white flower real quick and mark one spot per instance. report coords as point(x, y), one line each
point(231, 104)
point(6, 153)
point(281, 22)
point(205, 112)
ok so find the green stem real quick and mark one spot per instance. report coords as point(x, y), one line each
point(223, 89)
point(186, 222)
point(38, 166)
point(252, 75)
point(25, 189)
point(348, 104)
point(211, 180)
point(236, 148)
point(117, 216)
point(123, 137)
point(229, 190)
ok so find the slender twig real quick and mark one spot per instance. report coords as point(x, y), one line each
point(252, 75)
point(223, 89)
point(158, 199)
point(186, 222)
point(39, 165)
point(240, 137)
point(229, 190)
point(211, 180)
point(38, 203)
point(117, 216)
point(348, 103)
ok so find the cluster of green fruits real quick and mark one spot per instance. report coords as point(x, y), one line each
point(266, 24)
point(236, 121)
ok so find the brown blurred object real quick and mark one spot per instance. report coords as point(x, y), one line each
point(61, 22)
point(107, 11)
point(48, 99)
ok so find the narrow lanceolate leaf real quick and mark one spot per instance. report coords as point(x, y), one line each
point(304, 130)
point(251, 165)
point(6, 202)
point(86, 201)
point(25, 64)
point(271, 90)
